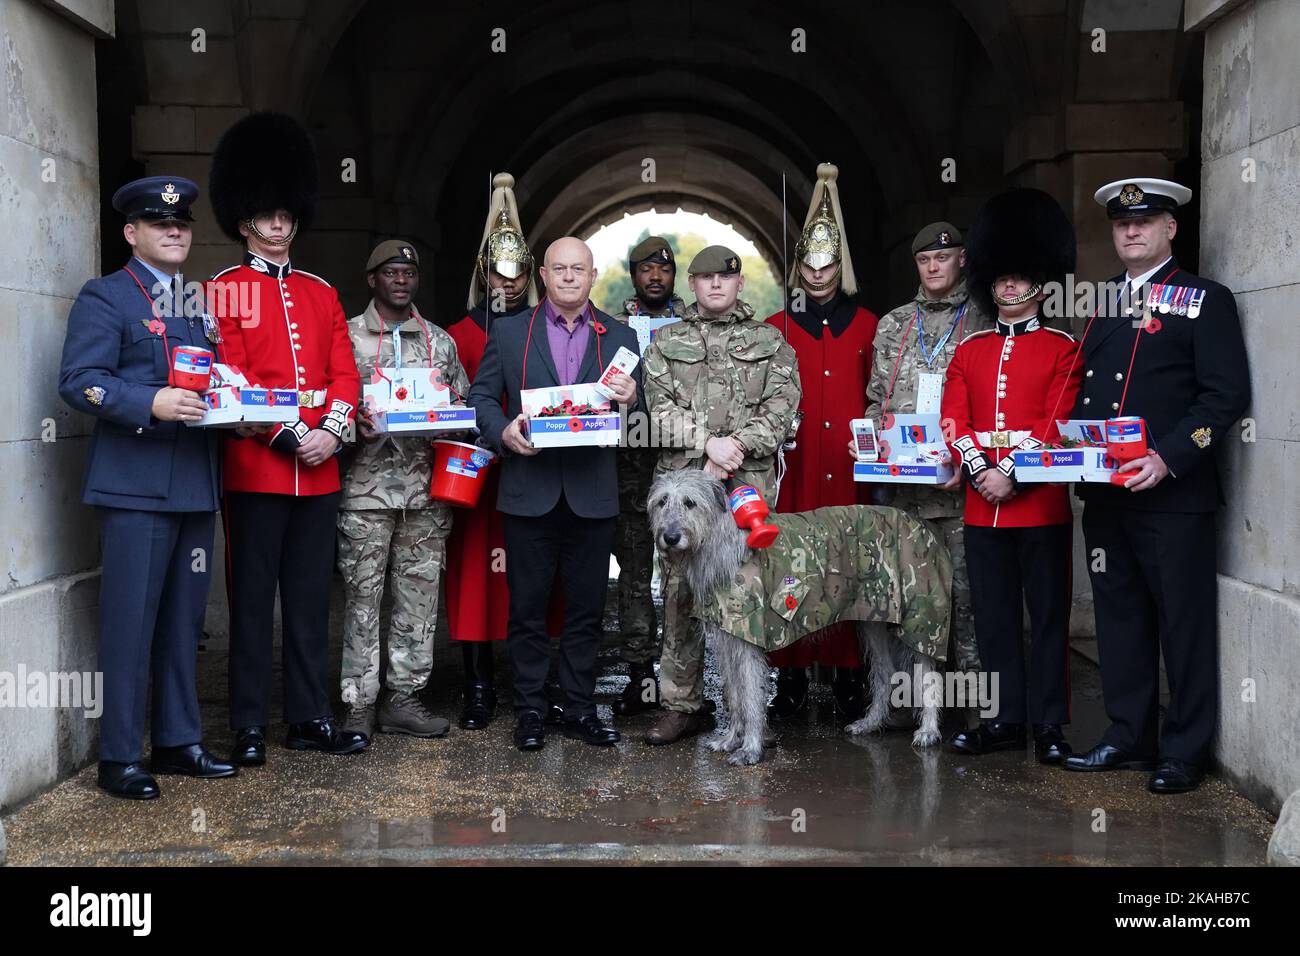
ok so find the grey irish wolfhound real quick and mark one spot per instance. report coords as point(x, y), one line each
point(696, 535)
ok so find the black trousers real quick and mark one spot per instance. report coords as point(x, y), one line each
point(287, 541)
point(1154, 590)
point(536, 549)
point(152, 596)
point(1011, 569)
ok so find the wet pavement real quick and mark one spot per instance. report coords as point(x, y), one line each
point(819, 797)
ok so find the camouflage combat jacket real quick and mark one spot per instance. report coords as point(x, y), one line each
point(841, 564)
point(394, 472)
point(721, 375)
point(896, 346)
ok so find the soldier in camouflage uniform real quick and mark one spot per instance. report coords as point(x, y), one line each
point(722, 390)
point(945, 315)
point(387, 522)
point(654, 270)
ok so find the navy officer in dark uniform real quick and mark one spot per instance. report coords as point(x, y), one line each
point(1169, 350)
point(154, 483)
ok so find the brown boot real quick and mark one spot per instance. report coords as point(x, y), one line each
point(406, 714)
point(360, 719)
point(673, 726)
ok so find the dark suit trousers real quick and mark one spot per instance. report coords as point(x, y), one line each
point(289, 541)
point(153, 594)
point(536, 549)
point(1157, 592)
point(1011, 569)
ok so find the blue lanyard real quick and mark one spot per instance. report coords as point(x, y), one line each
point(929, 358)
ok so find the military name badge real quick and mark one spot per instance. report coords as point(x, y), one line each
point(94, 394)
point(1201, 437)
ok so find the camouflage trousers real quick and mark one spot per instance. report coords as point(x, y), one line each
point(681, 662)
point(634, 549)
point(412, 545)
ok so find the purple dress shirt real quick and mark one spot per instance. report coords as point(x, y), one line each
point(567, 348)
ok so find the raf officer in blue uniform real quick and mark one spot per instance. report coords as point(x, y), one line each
point(154, 483)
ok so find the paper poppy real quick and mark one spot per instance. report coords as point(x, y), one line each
point(600, 329)
point(1152, 325)
point(884, 451)
point(887, 420)
point(401, 393)
point(575, 425)
point(435, 376)
point(376, 377)
point(1047, 459)
point(790, 602)
point(157, 326)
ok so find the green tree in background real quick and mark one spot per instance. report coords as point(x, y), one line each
point(614, 286)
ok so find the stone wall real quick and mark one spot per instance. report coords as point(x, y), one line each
point(49, 204)
point(1250, 191)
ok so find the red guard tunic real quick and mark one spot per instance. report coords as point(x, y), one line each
point(478, 601)
point(834, 367)
point(1005, 389)
point(284, 328)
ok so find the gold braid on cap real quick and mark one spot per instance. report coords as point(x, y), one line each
point(1025, 296)
point(503, 246)
point(823, 239)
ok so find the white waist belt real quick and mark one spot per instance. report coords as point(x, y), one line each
point(1000, 439)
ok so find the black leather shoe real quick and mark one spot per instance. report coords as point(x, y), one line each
point(1050, 745)
point(641, 683)
point(127, 780)
point(987, 738)
point(1105, 757)
point(850, 692)
point(530, 731)
point(590, 730)
point(554, 714)
point(250, 747)
point(480, 687)
point(192, 761)
point(1175, 776)
point(321, 734)
point(791, 693)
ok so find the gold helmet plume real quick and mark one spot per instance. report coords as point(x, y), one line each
point(823, 240)
point(503, 246)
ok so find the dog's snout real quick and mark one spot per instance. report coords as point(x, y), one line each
point(672, 537)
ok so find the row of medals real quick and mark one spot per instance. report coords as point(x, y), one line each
point(1175, 299)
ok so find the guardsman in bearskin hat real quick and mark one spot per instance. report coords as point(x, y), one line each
point(831, 334)
point(653, 268)
point(1170, 351)
point(282, 483)
point(478, 602)
point(155, 486)
point(1003, 391)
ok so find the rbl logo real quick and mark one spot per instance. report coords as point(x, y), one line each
point(914, 435)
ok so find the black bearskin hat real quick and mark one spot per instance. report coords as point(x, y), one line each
point(265, 161)
point(1023, 232)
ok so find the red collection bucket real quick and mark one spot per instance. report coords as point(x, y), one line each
point(191, 368)
point(459, 472)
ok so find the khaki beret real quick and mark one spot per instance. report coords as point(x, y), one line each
point(937, 235)
point(652, 248)
point(718, 259)
point(392, 250)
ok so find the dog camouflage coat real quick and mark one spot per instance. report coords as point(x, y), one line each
point(854, 563)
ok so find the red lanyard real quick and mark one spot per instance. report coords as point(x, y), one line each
point(1079, 348)
point(153, 309)
point(397, 359)
point(591, 324)
point(902, 347)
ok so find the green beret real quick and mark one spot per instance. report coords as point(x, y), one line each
point(651, 249)
point(718, 259)
point(392, 250)
point(937, 235)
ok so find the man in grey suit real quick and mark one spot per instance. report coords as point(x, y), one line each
point(559, 504)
